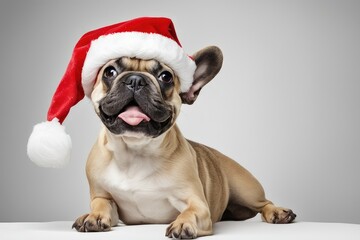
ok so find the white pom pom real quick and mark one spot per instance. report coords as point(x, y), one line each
point(49, 145)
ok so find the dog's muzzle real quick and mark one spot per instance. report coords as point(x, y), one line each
point(134, 104)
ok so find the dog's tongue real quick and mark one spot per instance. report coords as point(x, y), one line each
point(133, 116)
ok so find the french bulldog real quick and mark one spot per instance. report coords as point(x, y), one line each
point(142, 170)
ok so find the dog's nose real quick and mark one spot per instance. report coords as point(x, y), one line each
point(135, 82)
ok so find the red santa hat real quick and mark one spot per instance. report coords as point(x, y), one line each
point(143, 38)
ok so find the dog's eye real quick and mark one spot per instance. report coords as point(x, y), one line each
point(110, 72)
point(166, 77)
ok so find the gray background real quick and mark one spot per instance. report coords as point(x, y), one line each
point(286, 104)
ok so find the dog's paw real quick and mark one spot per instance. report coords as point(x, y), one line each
point(181, 230)
point(92, 223)
point(278, 215)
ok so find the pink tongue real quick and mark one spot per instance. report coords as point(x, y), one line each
point(133, 116)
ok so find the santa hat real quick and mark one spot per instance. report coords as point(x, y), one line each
point(144, 38)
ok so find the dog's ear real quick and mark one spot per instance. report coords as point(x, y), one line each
point(208, 64)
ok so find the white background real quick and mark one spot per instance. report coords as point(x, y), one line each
point(286, 104)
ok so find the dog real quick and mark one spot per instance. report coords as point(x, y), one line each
point(142, 170)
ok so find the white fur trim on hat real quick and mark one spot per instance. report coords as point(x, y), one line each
point(49, 145)
point(140, 45)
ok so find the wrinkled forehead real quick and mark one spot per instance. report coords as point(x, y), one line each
point(135, 64)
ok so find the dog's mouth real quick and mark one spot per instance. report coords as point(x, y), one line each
point(130, 114)
point(133, 118)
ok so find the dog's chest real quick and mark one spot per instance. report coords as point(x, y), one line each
point(141, 193)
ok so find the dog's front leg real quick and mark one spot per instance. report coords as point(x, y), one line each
point(194, 221)
point(103, 215)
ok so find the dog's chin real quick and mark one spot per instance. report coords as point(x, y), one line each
point(135, 138)
point(134, 135)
